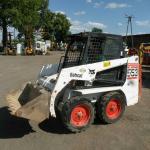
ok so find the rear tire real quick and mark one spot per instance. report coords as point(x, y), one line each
point(110, 107)
point(77, 114)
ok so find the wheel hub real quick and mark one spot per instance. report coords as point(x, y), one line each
point(80, 115)
point(113, 109)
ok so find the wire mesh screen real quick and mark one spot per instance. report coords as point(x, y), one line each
point(94, 53)
point(75, 53)
point(101, 49)
point(92, 48)
point(113, 48)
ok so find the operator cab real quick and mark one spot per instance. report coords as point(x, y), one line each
point(86, 48)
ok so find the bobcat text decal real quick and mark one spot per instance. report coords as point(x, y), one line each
point(75, 75)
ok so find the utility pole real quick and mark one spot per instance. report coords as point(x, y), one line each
point(129, 24)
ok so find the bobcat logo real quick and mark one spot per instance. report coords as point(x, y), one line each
point(91, 71)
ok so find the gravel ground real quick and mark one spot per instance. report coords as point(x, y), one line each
point(132, 132)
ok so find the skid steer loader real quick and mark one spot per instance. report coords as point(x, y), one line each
point(92, 79)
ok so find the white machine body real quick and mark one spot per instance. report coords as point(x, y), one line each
point(56, 82)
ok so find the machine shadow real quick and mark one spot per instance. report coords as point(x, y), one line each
point(53, 125)
point(13, 127)
point(146, 79)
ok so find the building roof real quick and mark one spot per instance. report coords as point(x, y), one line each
point(137, 39)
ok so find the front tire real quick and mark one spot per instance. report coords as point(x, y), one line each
point(110, 107)
point(77, 115)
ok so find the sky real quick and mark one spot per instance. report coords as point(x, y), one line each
point(108, 15)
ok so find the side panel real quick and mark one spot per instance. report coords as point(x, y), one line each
point(131, 86)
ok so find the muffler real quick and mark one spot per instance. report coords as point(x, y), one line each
point(30, 102)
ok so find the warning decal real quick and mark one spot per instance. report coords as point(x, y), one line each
point(132, 72)
point(106, 64)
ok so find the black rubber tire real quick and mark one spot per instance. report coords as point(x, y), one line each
point(102, 104)
point(66, 114)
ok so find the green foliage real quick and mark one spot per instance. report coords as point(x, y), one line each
point(61, 26)
point(8, 13)
point(48, 25)
point(56, 26)
point(97, 30)
point(27, 16)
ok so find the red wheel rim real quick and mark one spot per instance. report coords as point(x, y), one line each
point(113, 109)
point(80, 115)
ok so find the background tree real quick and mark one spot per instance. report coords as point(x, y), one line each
point(61, 27)
point(48, 26)
point(98, 30)
point(28, 17)
point(8, 13)
point(56, 26)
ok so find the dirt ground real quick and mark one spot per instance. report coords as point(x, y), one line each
point(132, 132)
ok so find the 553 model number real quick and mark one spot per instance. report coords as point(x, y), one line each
point(132, 71)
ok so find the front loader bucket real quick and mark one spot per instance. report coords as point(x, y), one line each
point(30, 102)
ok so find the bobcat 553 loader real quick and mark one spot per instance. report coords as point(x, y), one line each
point(92, 79)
